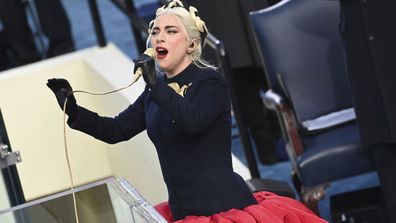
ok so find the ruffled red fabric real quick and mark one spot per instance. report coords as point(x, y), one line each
point(271, 208)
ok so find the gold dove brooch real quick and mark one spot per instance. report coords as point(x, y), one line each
point(180, 90)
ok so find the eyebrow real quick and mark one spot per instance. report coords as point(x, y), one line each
point(166, 27)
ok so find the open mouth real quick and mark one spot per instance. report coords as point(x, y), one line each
point(161, 52)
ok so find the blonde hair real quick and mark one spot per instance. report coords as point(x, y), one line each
point(193, 27)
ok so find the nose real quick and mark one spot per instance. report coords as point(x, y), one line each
point(160, 38)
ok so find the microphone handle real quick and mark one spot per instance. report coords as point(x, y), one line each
point(139, 71)
point(138, 74)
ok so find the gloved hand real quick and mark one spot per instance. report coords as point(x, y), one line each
point(148, 66)
point(63, 90)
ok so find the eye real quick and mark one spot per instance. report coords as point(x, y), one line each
point(154, 32)
point(172, 31)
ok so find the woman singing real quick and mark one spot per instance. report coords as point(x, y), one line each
point(186, 111)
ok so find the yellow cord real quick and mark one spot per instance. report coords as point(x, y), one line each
point(65, 139)
point(68, 162)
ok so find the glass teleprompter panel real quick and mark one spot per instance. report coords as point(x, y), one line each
point(108, 201)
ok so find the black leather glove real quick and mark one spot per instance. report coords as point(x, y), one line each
point(147, 64)
point(63, 90)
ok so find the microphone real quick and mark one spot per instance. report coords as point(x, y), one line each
point(139, 71)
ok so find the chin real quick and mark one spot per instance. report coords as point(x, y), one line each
point(163, 67)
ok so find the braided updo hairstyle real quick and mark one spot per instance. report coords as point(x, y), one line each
point(191, 24)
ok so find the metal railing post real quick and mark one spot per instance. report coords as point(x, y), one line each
point(93, 8)
point(243, 131)
point(140, 43)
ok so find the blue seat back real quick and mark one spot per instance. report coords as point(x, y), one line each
point(303, 56)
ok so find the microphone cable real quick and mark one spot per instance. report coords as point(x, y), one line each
point(138, 73)
point(136, 78)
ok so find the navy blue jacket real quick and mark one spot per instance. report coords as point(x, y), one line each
point(192, 135)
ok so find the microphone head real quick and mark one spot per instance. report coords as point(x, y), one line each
point(150, 52)
point(139, 72)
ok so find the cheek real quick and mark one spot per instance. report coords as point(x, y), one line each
point(151, 42)
point(181, 44)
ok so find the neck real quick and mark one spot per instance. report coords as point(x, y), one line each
point(170, 74)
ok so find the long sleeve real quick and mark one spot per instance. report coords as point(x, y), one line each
point(122, 127)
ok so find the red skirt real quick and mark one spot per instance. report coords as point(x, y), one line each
point(270, 208)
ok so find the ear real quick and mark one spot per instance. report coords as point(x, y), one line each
point(192, 46)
